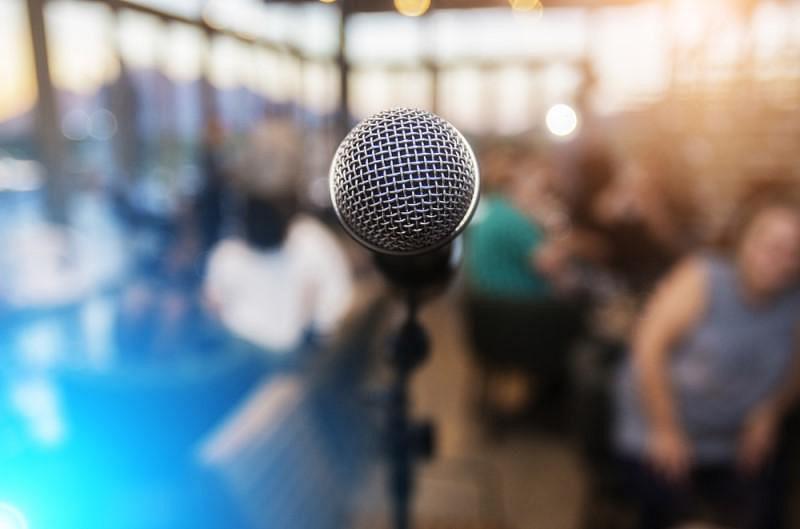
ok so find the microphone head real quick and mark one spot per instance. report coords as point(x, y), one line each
point(404, 182)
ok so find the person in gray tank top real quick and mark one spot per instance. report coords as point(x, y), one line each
point(713, 369)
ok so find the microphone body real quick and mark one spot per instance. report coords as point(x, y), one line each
point(426, 273)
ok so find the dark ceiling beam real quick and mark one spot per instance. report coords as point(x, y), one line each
point(354, 7)
point(454, 64)
point(200, 23)
point(377, 6)
point(49, 141)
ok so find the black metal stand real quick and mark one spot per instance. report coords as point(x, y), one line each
point(407, 440)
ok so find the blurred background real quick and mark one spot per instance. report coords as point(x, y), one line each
point(190, 340)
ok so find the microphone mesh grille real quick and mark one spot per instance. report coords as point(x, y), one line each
point(404, 181)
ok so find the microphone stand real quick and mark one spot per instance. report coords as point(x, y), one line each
point(407, 439)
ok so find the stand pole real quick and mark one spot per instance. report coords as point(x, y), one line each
point(408, 440)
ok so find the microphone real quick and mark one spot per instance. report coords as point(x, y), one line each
point(404, 183)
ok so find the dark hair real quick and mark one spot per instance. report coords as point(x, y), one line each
point(266, 220)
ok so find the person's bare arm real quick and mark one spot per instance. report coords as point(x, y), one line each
point(675, 307)
point(788, 393)
point(760, 430)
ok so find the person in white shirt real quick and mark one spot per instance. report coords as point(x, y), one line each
point(287, 277)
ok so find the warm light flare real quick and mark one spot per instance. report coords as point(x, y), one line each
point(412, 8)
point(526, 5)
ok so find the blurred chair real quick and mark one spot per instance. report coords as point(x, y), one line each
point(129, 462)
point(293, 454)
point(532, 337)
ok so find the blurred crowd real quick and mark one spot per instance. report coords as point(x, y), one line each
point(131, 331)
point(601, 298)
point(189, 339)
point(603, 301)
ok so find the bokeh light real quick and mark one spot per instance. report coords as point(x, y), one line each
point(526, 5)
point(103, 124)
point(412, 8)
point(75, 124)
point(527, 10)
point(561, 120)
point(11, 517)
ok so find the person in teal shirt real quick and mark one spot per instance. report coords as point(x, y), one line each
point(499, 252)
point(519, 325)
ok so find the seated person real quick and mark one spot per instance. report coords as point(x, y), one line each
point(714, 367)
point(287, 277)
point(285, 282)
point(519, 326)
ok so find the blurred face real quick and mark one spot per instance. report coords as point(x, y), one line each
point(769, 255)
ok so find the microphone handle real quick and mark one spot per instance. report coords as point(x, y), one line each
point(423, 272)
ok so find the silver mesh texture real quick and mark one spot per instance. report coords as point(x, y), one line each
point(404, 181)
